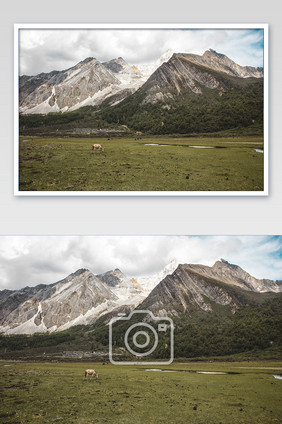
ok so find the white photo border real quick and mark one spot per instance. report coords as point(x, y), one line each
point(264, 192)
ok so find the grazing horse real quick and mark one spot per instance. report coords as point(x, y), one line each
point(91, 372)
point(98, 147)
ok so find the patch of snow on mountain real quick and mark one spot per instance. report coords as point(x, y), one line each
point(150, 282)
point(43, 107)
point(148, 69)
point(29, 327)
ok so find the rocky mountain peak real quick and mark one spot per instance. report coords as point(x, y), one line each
point(88, 59)
point(80, 271)
point(112, 278)
point(234, 274)
point(117, 65)
point(223, 262)
point(211, 52)
point(193, 287)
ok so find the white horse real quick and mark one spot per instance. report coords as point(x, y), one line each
point(93, 373)
point(98, 147)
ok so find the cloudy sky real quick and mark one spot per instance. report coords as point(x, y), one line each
point(45, 50)
point(32, 260)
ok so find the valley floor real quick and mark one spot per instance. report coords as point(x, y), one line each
point(58, 392)
point(149, 164)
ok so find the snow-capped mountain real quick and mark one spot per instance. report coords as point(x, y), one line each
point(88, 83)
point(148, 283)
point(126, 289)
point(149, 69)
point(66, 90)
point(75, 300)
point(82, 297)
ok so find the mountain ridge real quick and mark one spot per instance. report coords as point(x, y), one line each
point(192, 288)
point(91, 82)
point(83, 297)
point(184, 73)
point(60, 305)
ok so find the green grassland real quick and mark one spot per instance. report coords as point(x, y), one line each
point(127, 164)
point(59, 393)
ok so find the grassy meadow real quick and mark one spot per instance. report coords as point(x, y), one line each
point(59, 393)
point(127, 164)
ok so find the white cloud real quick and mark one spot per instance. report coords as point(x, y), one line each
point(31, 260)
point(58, 49)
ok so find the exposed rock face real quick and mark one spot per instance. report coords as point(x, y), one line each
point(186, 73)
point(185, 291)
point(113, 278)
point(234, 275)
point(222, 63)
point(193, 287)
point(10, 300)
point(66, 90)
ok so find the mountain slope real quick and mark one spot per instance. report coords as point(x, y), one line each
point(194, 94)
point(222, 63)
point(88, 83)
point(185, 73)
point(234, 275)
point(197, 287)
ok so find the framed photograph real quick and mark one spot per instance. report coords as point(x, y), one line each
point(190, 328)
point(141, 110)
